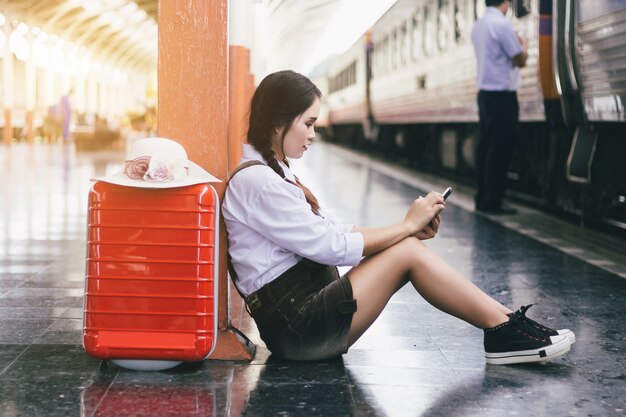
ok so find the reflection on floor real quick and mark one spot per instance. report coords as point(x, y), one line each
point(414, 361)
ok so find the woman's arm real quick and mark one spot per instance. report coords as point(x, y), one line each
point(421, 220)
point(377, 239)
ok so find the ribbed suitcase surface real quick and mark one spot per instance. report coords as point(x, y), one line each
point(151, 278)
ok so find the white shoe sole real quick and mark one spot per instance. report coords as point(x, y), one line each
point(543, 354)
point(569, 334)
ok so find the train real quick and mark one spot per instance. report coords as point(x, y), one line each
point(406, 91)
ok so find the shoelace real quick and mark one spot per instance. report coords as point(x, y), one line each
point(522, 314)
point(528, 329)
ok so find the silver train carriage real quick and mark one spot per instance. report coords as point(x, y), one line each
point(407, 90)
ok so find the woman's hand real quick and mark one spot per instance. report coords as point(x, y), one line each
point(420, 218)
point(421, 221)
point(431, 229)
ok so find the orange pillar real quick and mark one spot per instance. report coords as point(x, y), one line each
point(235, 103)
point(193, 110)
point(251, 87)
point(30, 126)
point(239, 101)
point(7, 128)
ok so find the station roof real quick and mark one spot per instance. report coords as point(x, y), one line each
point(124, 32)
point(119, 31)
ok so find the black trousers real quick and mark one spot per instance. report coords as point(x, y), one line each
point(306, 313)
point(497, 136)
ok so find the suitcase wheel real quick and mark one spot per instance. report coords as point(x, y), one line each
point(145, 365)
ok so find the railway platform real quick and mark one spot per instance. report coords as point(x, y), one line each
point(414, 361)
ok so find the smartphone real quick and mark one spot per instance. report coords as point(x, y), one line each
point(447, 193)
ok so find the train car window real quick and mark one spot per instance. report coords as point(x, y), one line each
point(393, 55)
point(425, 16)
point(402, 43)
point(520, 8)
point(443, 24)
point(376, 54)
point(417, 35)
point(460, 16)
point(343, 79)
point(430, 28)
point(374, 59)
point(384, 56)
point(399, 47)
point(430, 41)
point(348, 76)
point(372, 62)
point(380, 56)
point(351, 74)
point(408, 38)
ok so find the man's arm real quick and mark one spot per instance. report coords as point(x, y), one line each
point(519, 60)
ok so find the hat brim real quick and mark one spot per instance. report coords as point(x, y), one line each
point(197, 175)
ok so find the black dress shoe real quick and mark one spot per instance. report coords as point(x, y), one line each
point(498, 210)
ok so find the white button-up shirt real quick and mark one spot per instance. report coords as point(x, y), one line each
point(271, 227)
point(495, 45)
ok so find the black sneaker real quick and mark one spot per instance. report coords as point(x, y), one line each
point(545, 329)
point(517, 341)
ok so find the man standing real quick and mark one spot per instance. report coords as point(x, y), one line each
point(500, 53)
point(65, 106)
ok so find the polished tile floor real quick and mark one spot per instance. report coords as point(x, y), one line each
point(414, 361)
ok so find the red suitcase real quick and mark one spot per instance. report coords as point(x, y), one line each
point(151, 281)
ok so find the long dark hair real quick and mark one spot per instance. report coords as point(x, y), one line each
point(278, 100)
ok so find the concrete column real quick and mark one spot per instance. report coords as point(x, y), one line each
point(102, 97)
point(67, 82)
point(78, 103)
point(49, 94)
point(92, 95)
point(7, 85)
point(31, 91)
point(105, 102)
point(193, 110)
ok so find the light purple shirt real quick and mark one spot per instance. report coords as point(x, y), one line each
point(495, 45)
point(271, 227)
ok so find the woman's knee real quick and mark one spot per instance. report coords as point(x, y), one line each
point(411, 246)
point(412, 250)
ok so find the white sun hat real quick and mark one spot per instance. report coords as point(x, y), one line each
point(158, 163)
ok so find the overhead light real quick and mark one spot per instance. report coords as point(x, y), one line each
point(18, 44)
point(128, 8)
point(22, 28)
point(94, 6)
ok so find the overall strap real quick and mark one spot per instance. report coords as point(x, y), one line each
point(244, 166)
point(231, 269)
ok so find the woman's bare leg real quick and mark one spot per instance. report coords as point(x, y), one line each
point(378, 277)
